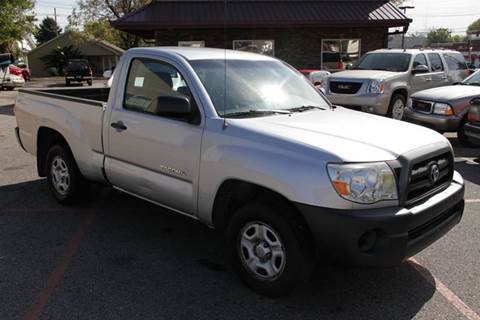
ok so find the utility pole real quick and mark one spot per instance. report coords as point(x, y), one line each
point(405, 29)
point(55, 15)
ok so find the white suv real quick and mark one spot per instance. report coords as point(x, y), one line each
point(382, 81)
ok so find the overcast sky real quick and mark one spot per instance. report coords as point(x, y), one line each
point(453, 14)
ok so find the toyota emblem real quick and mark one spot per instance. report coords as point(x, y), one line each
point(434, 173)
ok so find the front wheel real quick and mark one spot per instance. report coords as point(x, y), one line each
point(64, 179)
point(396, 109)
point(266, 250)
point(462, 137)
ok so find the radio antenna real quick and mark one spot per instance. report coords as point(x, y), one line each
point(225, 17)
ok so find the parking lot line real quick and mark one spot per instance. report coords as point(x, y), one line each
point(472, 201)
point(58, 272)
point(445, 291)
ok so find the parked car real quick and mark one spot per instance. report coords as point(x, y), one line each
point(382, 81)
point(78, 70)
point(472, 127)
point(317, 77)
point(283, 173)
point(444, 109)
point(11, 77)
point(26, 72)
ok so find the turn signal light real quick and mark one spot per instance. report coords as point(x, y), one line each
point(341, 187)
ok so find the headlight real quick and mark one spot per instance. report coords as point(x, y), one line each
point(363, 182)
point(376, 87)
point(443, 109)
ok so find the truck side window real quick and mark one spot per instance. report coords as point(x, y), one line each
point(435, 62)
point(149, 79)
point(419, 60)
point(455, 61)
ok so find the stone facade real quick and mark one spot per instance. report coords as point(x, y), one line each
point(300, 47)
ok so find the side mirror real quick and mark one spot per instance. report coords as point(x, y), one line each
point(107, 74)
point(475, 102)
point(420, 69)
point(174, 106)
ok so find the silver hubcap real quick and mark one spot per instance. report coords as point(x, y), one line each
point(398, 109)
point(60, 175)
point(261, 251)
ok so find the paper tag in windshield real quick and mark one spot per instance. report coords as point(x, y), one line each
point(139, 81)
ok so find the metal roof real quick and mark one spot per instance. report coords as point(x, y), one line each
point(175, 14)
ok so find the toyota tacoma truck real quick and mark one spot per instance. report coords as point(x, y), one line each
point(247, 145)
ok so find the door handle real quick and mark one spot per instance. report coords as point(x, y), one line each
point(119, 125)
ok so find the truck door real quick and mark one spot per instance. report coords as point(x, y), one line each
point(420, 81)
point(439, 76)
point(150, 154)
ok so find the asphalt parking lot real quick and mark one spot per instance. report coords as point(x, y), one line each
point(117, 257)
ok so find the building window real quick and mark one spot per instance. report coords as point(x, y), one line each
point(339, 54)
point(266, 47)
point(193, 44)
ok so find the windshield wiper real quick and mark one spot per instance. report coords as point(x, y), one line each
point(255, 112)
point(305, 108)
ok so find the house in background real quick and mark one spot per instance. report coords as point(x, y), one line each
point(101, 54)
point(309, 34)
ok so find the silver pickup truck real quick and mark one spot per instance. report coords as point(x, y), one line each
point(247, 145)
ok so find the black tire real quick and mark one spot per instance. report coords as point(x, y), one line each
point(67, 82)
point(76, 182)
point(90, 82)
point(298, 263)
point(462, 137)
point(396, 97)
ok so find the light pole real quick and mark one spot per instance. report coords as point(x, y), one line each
point(404, 8)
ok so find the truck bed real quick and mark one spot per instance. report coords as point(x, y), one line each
point(75, 113)
point(93, 96)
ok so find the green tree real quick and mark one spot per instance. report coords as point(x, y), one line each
point(474, 27)
point(57, 59)
point(94, 17)
point(440, 35)
point(16, 20)
point(47, 30)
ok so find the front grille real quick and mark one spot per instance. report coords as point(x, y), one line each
point(420, 182)
point(345, 87)
point(422, 106)
point(435, 222)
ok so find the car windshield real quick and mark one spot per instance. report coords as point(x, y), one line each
point(473, 80)
point(256, 88)
point(396, 62)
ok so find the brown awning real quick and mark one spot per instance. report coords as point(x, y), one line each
point(176, 14)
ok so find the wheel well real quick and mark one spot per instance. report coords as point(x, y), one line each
point(234, 193)
point(46, 138)
point(402, 92)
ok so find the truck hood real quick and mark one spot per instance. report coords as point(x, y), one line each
point(448, 93)
point(346, 135)
point(364, 74)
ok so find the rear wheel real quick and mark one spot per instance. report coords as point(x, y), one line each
point(266, 250)
point(64, 179)
point(67, 82)
point(90, 82)
point(396, 109)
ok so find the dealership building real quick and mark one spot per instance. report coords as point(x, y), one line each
point(305, 33)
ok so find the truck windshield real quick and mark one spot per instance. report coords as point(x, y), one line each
point(473, 80)
point(256, 88)
point(395, 62)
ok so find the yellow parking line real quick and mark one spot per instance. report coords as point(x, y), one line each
point(445, 292)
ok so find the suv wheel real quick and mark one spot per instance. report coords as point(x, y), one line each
point(64, 179)
point(266, 251)
point(396, 109)
point(462, 137)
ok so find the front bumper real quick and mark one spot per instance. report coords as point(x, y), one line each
point(472, 131)
point(384, 236)
point(436, 122)
point(373, 103)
